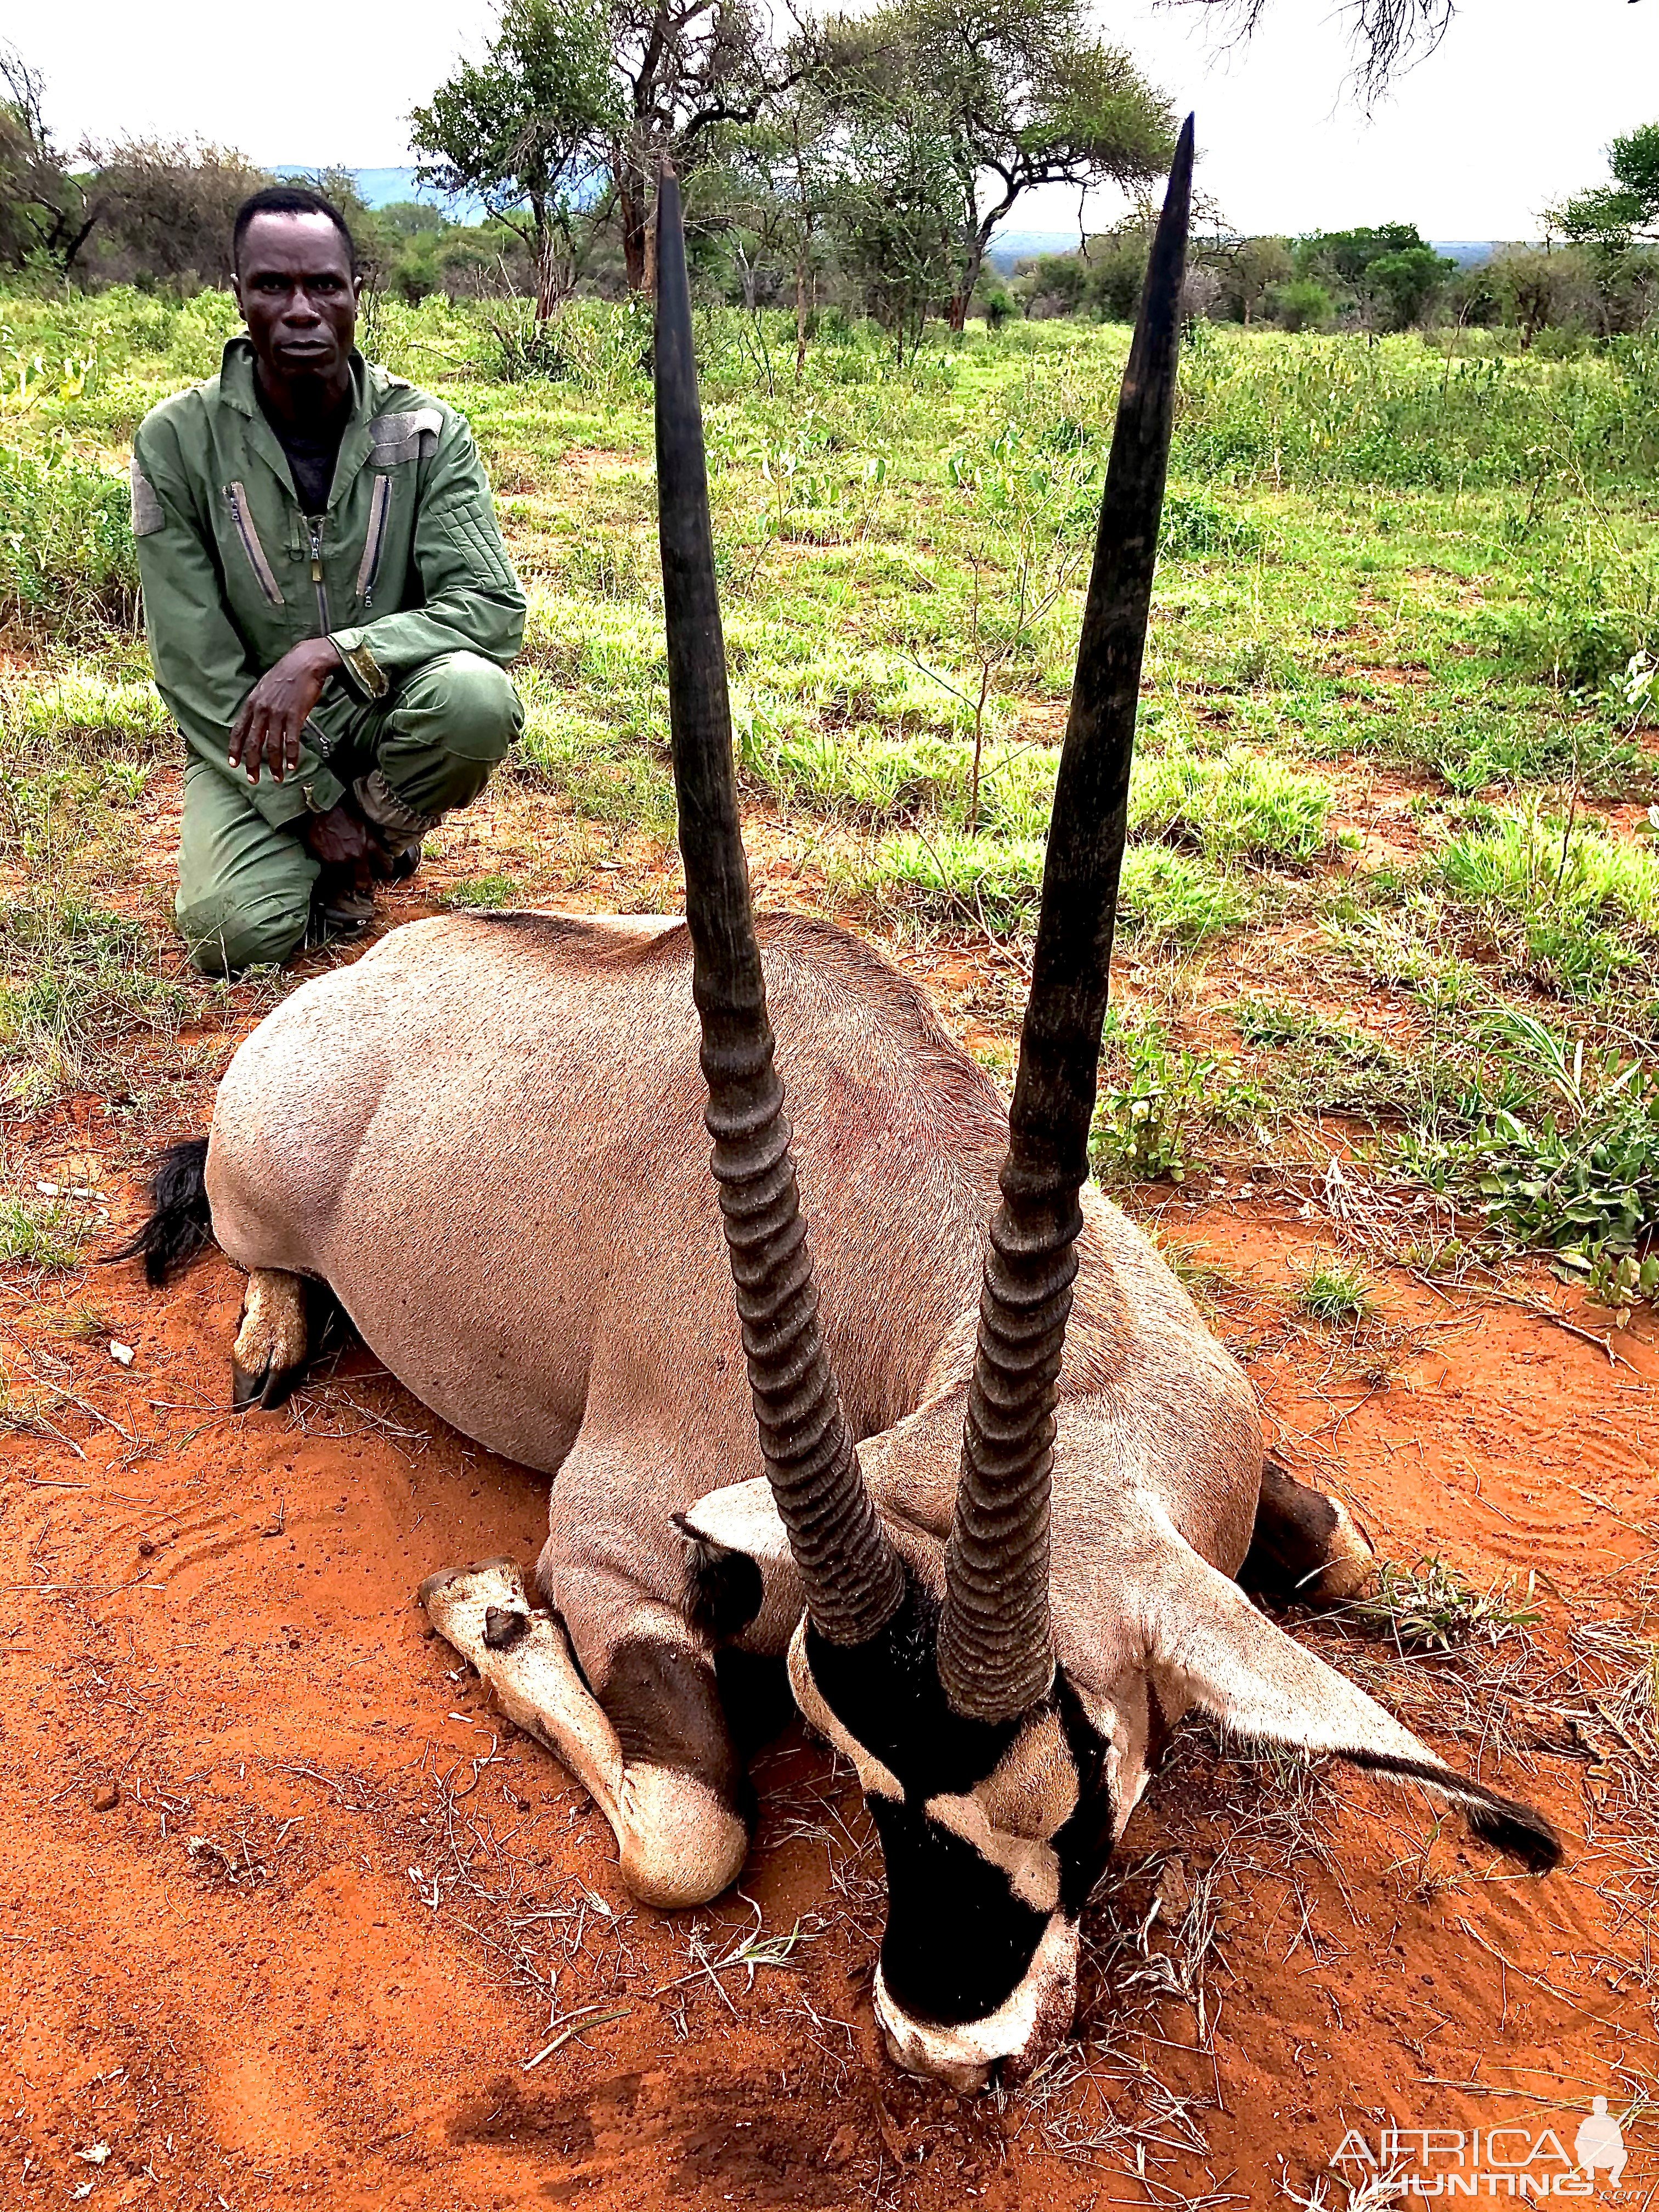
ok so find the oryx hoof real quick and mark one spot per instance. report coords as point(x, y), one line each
point(266, 1389)
point(1307, 1546)
point(486, 1584)
point(272, 1343)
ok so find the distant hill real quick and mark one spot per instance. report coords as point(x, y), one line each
point(380, 187)
point(1009, 247)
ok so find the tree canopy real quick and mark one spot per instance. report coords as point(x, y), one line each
point(1618, 213)
point(523, 131)
point(1016, 93)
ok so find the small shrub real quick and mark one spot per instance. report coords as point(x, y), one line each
point(1196, 526)
point(1155, 1096)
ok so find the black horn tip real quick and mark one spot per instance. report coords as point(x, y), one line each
point(1179, 190)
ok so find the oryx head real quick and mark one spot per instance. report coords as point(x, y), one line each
point(998, 1782)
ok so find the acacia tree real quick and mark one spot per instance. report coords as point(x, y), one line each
point(1386, 34)
point(1625, 211)
point(890, 205)
point(1021, 92)
point(525, 131)
point(683, 70)
point(168, 206)
point(776, 183)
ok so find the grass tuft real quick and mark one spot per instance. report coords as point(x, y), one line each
point(1336, 1291)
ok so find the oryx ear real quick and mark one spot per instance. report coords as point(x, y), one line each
point(743, 1517)
point(739, 1563)
point(1209, 1647)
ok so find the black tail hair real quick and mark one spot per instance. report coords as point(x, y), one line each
point(180, 1223)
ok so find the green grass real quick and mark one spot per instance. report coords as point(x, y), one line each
point(482, 891)
point(1335, 1291)
point(40, 1233)
point(76, 983)
point(1400, 592)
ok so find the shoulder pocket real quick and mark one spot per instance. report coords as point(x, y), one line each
point(408, 437)
point(473, 528)
point(147, 514)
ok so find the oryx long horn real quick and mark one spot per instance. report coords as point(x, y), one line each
point(994, 1652)
point(854, 1583)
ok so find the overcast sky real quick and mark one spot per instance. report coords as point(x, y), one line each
point(1512, 110)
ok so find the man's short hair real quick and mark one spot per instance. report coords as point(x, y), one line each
point(288, 199)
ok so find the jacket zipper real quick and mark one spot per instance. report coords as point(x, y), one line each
point(237, 495)
point(379, 506)
point(315, 526)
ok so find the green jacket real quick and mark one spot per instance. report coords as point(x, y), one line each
point(407, 563)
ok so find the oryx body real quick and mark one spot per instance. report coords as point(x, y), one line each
point(971, 1459)
point(486, 1138)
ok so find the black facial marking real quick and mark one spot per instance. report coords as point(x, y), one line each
point(1085, 1844)
point(959, 1941)
point(723, 1588)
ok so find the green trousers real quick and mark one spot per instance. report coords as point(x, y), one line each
point(244, 888)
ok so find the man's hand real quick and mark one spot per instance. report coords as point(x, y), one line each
point(271, 724)
point(340, 835)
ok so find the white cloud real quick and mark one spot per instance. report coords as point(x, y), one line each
point(1511, 112)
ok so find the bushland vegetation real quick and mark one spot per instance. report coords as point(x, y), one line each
point(845, 167)
point(1390, 869)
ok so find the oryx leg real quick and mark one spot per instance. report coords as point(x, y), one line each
point(272, 1342)
point(1306, 1546)
point(652, 1749)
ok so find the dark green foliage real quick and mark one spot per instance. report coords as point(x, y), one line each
point(1627, 208)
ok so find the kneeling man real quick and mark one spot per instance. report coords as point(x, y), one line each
point(330, 608)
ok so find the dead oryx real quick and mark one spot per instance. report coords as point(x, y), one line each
point(988, 1496)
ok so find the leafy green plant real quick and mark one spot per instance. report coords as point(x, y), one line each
point(1569, 1162)
point(1156, 1097)
point(1621, 1282)
point(1196, 525)
point(1430, 1607)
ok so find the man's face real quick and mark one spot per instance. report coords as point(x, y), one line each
point(298, 298)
